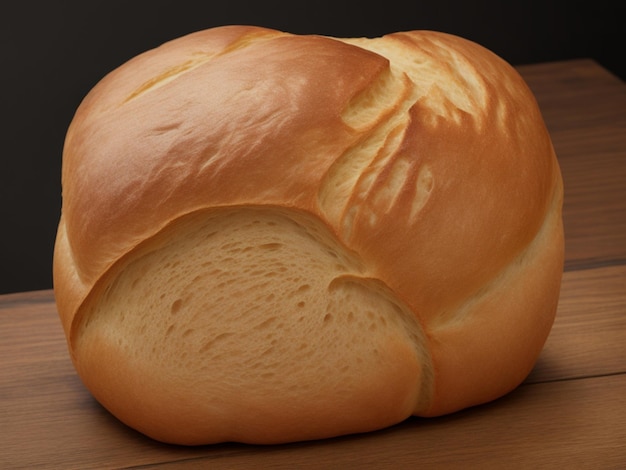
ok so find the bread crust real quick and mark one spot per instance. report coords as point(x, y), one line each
point(422, 155)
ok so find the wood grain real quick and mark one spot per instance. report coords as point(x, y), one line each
point(589, 334)
point(570, 412)
point(584, 107)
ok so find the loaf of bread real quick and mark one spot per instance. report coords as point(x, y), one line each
point(268, 237)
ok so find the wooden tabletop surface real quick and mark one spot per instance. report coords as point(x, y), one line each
point(570, 412)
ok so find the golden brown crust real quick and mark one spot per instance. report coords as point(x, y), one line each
point(196, 142)
point(423, 153)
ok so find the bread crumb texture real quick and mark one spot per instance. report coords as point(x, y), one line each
point(262, 312)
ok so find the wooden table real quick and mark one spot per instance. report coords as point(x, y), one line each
point(570, 412)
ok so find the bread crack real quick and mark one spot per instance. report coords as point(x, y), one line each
point(168, 75)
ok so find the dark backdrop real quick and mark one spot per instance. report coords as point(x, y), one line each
point(53, 52)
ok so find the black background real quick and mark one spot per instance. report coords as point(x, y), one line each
point(53, 53)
